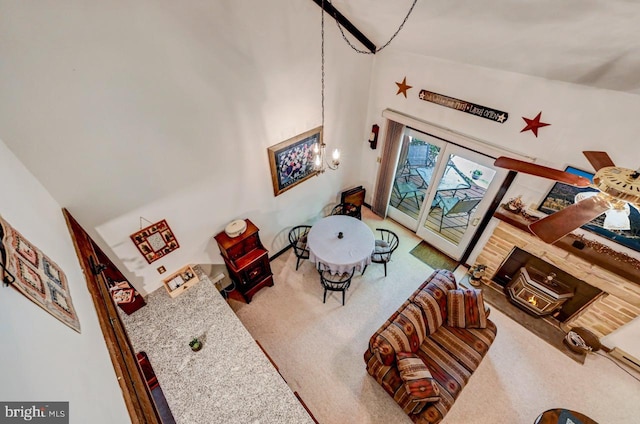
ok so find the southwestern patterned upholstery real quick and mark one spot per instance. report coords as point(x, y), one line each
point(450, 354)
point(465, 309)
point(418, 381)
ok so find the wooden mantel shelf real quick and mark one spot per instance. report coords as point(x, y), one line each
point(625, 270)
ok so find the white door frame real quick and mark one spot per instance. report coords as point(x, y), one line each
point(467, 142)
point(396, 214)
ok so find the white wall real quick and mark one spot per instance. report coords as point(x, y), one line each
point(237, 182)
point(581, 118)
point(626, 338)
point(41, 359)
point(165, 110)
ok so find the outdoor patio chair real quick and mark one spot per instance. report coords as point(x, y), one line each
point(406, 188)
point(454, 207)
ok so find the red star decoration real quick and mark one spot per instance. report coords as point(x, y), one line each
point(403, 87)
point(534, 124)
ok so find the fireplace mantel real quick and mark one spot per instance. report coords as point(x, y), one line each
point(623, 269)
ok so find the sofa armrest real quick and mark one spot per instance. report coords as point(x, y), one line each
point(403, 332)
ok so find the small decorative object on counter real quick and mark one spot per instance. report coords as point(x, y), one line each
point(515, 205)
point(195, 344)
point(181, 280)
point(476, 273)
point(340, 235)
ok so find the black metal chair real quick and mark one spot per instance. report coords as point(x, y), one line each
point(337, 282)
point(348, 209)
point(384, 248)
point(298, 241)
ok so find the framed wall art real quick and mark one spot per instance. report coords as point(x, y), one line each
point(27, 269)
point(155, 241)
point(562, 195)
point(291, 161)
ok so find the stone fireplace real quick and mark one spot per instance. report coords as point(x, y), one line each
point(603, 300)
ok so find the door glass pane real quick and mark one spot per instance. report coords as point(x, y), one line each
point(458, 194)
point(413, 176)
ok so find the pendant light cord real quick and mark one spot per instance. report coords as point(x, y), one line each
point(322, 63)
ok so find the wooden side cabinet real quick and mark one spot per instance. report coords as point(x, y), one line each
point(247, 260)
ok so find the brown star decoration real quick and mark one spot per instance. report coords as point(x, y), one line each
point(534, 124)
point(403, 87)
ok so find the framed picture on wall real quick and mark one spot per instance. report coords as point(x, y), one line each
point(291, 161)
point(562, 195)
point(155, 241)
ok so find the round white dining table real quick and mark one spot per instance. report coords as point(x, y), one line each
point(341, 254)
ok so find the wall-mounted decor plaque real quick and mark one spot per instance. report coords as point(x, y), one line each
point(35, 275)
point(464, 106)
point(155, 241)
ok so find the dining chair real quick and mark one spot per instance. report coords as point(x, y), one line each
point(334, 282)
point(384, 248)
point(355, 196)
point(455, 207)
point(298, 241)
point(348, 209)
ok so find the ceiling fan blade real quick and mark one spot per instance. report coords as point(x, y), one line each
point(598, 159)
point(555, 226)
point(541, 171)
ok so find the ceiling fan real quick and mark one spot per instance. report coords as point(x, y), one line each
point(617, 189)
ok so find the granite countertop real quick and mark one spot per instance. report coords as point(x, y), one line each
point(229, 380)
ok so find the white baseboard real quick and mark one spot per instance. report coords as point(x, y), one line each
point(625, 358)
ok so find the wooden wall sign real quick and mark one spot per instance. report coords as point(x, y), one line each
point(464, 106)
point(155, 241)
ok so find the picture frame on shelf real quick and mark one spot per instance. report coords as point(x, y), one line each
point(291, 161)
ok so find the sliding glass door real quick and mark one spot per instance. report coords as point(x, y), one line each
point(418, 157)
point(442, 190)
point(464, 184)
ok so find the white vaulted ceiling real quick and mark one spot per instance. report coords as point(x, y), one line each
point(588, 42)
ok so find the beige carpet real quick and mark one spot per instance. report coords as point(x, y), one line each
point(319, 347)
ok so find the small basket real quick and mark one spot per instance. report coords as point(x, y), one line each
point(590, 340)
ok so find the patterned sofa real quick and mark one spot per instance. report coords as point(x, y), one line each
point(425, 353)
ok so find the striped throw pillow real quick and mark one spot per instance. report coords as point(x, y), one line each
point(465, 309)
point(416, 376)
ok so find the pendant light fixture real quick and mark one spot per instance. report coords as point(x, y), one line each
point(320, 160)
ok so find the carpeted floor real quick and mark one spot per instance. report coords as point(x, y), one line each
point(433, 257)
point(319, 349)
